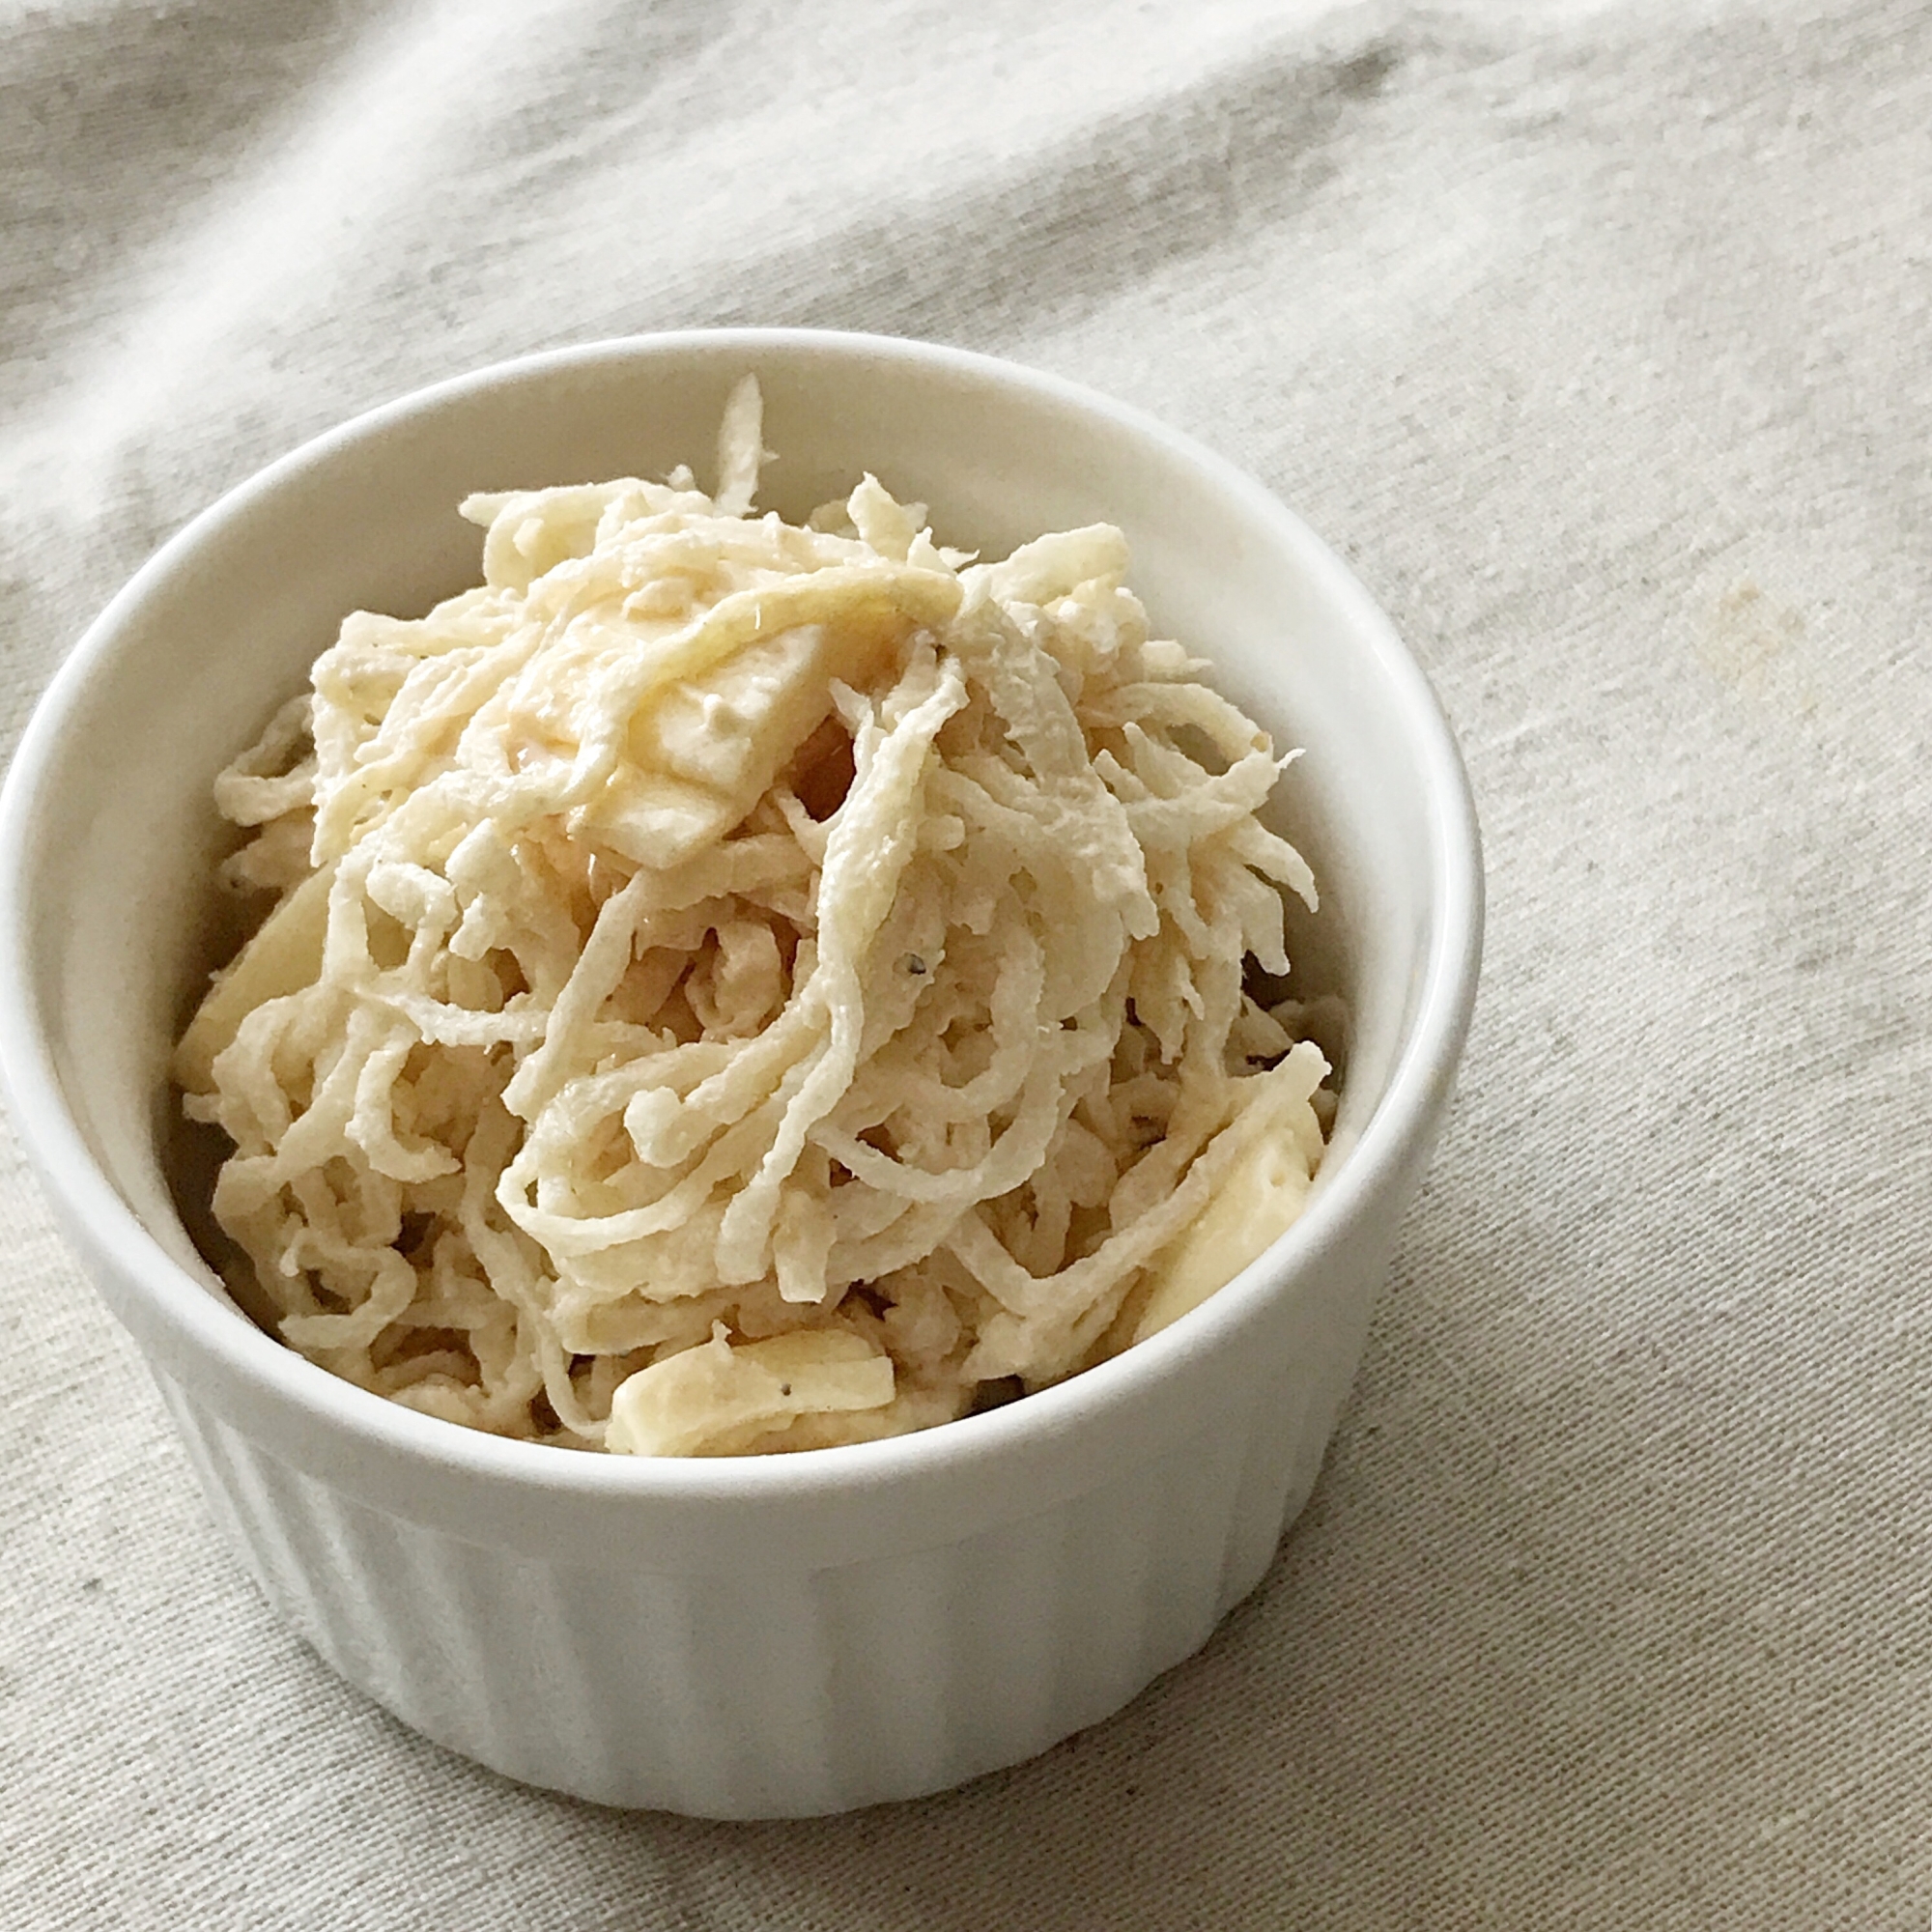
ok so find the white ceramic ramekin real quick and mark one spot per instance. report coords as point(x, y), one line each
point(746, 1637)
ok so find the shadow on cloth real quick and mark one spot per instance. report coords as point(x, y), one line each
point(1298, 1763)
point(1088, 216)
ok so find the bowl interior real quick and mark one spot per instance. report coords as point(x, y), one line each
point(118, 918)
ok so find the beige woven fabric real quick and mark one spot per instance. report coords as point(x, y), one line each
point(1597, 337)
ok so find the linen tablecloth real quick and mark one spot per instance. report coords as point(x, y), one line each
point(1596, 337)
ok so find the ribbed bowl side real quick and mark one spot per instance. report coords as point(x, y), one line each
point(771, 1693)
point(1300, 1402)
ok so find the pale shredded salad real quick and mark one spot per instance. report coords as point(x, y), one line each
point(735, 987)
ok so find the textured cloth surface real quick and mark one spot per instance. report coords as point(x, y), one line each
point(1596, 337)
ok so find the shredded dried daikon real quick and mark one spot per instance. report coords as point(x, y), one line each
point(737, 987)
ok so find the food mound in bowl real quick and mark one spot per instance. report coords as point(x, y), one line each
point(734, 986)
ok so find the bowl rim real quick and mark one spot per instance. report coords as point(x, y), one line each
point(197, 1323)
